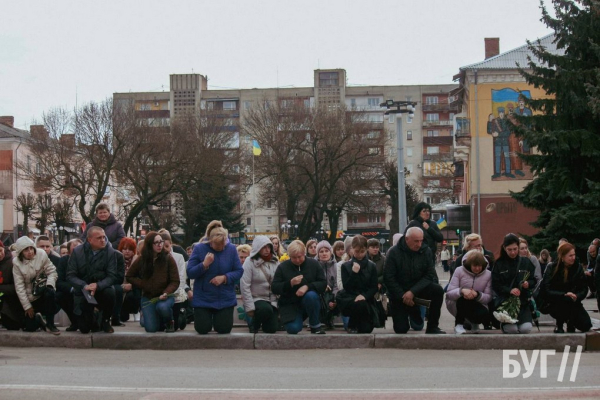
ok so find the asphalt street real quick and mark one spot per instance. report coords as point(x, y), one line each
point(52, 373)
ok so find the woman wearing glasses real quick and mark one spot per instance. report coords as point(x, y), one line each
point(156, 274)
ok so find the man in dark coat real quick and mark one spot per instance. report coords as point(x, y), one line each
point(299, 281)
point(93, 268)
point(11, 310)
point(409, 273)
point(105, 220)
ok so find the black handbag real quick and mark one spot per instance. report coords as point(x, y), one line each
point(378, 314)
point(326, 314)
point(39, 284)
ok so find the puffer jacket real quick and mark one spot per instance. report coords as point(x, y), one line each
point(408, 270)
point(112, 228)
point(254, 285)
point(226, 262)
point(464, 278)
point(24, 272)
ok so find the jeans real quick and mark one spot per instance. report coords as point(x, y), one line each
point(310, 306)
point(154, 314)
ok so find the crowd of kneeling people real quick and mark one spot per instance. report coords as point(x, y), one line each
point(105, 279)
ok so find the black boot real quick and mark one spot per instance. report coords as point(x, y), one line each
point(559, 327)
point(170, 327)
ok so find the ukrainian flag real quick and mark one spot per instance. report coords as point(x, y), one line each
point(255, 148)
point(441, 223)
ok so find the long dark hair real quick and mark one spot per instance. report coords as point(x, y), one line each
point(147, 258)
point(561, 253)
point(509, 239)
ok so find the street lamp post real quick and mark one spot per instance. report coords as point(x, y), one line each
point(400, 107)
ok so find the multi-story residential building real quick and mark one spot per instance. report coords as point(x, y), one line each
point(486, 149)
point(190, 92)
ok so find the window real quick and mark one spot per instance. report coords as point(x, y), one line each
point(428, 200)
point(433, 150)
point(408, 135)
point(269, 203)
point(306, 103)
point(409, 118)
point(248, 221)
point(248, 207)
point(236, 169)
point(144, 107)
point(247, 105)
point(28, 163)
point(409, 152)
point(432, 133)
point(269, 221)
point(433, 183)
point(433, 117)
point(451, 117)
point(229, 105)
point(431, 100)
point(391, 118)
point(373, 135)
point(374, 218)
point(352, 103)
point(391, 151)
point(355, 219)
point(328, 79)
point(373, 150)
point(391, 135)
point(409, 168)
point(375, 117)
point(373, 101)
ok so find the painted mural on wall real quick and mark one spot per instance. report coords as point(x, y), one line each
point(506, 145)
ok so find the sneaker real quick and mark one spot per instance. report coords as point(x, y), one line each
point(559, 329)
point(117, 323)
point(459, 329)
point(475, 328)
point(53, 329)
point(317, 331)
point(352, 331)
point(40, 320)
point(435, 331)
point(106, 327)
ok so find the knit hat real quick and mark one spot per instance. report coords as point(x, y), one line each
point(347, 244)
point(324, 243)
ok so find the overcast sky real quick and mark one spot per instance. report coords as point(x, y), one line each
point(52, 50)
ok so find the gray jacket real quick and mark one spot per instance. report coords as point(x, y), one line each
point(254, 284)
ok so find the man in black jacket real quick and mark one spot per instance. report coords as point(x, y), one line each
point(93, 268)
point(409, 272)
point(299, 281)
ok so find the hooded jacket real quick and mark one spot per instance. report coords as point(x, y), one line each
point(254, 285)
point(431, 235)
point(226, 262)
point(112, 229)
point(24, 272)
point(464, 278)
point(408, 270)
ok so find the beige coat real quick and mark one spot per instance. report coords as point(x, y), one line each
point(25, 271)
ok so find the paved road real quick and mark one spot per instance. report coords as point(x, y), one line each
point(52, 373)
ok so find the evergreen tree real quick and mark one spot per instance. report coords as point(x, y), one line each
point(565, 128)
point(217, 204)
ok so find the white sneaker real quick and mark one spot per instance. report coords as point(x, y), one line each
point(136, 317)
point(459, 329)
point(475, 328)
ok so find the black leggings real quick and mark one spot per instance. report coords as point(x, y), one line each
point(266, 315)
point(472, 310)
point(360, 316)
point(573, 313)
point(207, 318)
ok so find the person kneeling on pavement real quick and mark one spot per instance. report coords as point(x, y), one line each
point(29, 264)
point(469, 292)
point(359, 276)
point(299, 281)
point(410, 273)
point(260, 303)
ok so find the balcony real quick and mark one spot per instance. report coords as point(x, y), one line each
point(439, 122)
point(440, 157)
point(441, 107)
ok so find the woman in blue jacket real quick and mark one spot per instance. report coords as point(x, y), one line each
point(215, 266)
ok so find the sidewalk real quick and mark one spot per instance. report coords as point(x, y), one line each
point(132, 336)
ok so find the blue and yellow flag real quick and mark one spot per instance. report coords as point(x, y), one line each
point(441, 223)
point(255, 148)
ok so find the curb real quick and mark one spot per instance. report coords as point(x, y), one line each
point(235, 341)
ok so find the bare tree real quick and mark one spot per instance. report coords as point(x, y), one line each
point(75, 152)
point(43, 207)
point(62, 214)
point(25, 204)
point(308, 153)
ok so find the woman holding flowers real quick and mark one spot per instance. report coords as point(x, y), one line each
point(512, 280)
point(564, 287)
point(156, 274)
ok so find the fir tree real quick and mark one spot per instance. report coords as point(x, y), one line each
point(565, 128)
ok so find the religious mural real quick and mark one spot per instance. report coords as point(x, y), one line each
point(507, 164)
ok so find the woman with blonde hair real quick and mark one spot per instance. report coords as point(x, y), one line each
point(277, 247)
point(544, 259)
point(215, 265)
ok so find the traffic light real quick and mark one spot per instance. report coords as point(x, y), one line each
point(458, 231)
